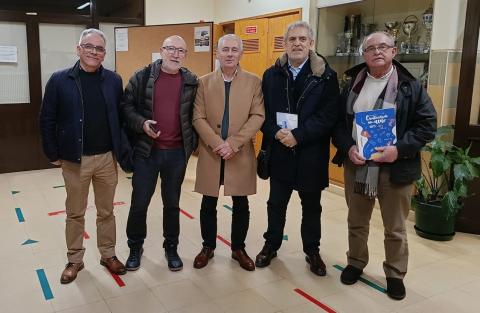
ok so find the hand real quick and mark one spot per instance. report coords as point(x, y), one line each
point(355, 157)
point(225, 151)
point(389, 154)
point(289, 140)
point(57, 162)
point(282, 133)
point(150, 130)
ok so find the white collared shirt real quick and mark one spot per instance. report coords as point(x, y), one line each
point(296, 70)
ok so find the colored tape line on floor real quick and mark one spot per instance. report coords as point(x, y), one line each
point(20, 217)
point(225, 241)
point(56, 213)
point(14, 192)
point(228, 207)
point(117, 279)
point(60, 186)
point(29, 242)
point(85, 235)
point(47, 291)
point(186, 214)
point(365, 281)
point(325, 307)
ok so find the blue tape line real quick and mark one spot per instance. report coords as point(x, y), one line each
point(20, 217)
point(47, 291)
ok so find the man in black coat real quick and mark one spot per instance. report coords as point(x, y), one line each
point(300, 93)
point(157, 107)
point(382, 83)
point(80, 130)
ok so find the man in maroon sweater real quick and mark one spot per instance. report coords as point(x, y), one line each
point(157, 106)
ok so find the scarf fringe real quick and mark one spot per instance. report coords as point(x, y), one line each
point(365, 190)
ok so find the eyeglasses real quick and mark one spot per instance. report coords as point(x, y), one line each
point(381, 48)
point(172, 50)
point(90, 48)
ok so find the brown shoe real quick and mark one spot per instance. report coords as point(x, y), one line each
point(317, 266)
point(70, 272)
point(201, 260)
point(243, 259)
point(113, 265)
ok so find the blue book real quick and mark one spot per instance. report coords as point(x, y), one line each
point(376, 128)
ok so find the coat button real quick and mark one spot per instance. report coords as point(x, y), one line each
point(80, 120)
point(79, 139)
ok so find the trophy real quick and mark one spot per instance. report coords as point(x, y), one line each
point(427, 18)
point(392, 29)
point(409, 28)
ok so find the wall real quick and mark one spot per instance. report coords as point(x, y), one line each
point(178, 11)
point(229, 10)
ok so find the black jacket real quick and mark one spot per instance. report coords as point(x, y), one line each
point(416, 125)
point(136, 111)
point(304, 167)
point(61, 115)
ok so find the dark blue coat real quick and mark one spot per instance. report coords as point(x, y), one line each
point(61, 115)
point(304, 167)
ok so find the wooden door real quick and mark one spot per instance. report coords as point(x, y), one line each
point(276, 31)
point(467, 120)
point(254, 36)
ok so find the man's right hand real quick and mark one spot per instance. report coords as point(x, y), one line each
point(355, 157)
point(149, 129)
point(282, 133)
point(57, 162)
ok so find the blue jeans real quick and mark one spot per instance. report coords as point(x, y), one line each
point(170, 165)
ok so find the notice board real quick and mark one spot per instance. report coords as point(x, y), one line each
point(135, 46)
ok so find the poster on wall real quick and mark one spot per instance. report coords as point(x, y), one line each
point(121, 39)
point(8, 54)
point(201, 39)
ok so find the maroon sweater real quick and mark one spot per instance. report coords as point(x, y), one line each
point(166, 110)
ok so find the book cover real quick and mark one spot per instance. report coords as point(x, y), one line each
point(376, 128)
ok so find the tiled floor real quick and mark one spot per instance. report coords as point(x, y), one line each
point(443, 276)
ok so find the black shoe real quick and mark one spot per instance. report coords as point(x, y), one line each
point(133, 261)
point(265, 256)
point(174, 261)
point(317, 266)
point(395, 288)
point(350, 275)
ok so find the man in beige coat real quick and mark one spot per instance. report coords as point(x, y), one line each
point(228, 112)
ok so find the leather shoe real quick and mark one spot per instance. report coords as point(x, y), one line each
point(265, 256)
point(395, 288)
point(201, 260)
point(173, 259)
point(350, 275)
point(113, 265)
point(133, 261)
point(317, 266)
point(70, 272)
point(243, 259)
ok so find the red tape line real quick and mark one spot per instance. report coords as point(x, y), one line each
point(117, 279)
point(85, 235)
point(225, 241)
point(186, 214)
point(313, 300)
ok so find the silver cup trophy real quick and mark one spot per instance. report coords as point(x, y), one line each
point(409, 28)
point(427, 19)
point(392, 29)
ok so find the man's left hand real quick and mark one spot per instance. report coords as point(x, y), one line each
point(289, 141)
point(225, 151)
point(389, 154)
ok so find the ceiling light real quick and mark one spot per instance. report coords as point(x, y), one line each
point(83, 6)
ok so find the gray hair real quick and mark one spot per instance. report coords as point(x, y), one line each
point(95, 31)
point(390, 39)
point(298, 24)
point(230, 36)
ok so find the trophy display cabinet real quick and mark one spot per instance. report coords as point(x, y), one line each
point(342, 28)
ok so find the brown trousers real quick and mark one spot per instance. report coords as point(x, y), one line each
point(394, 200)
point(101, 170)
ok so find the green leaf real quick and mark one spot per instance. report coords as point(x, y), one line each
point(441, 131)
point(450, 204)
point(475, 161)
point(460, 188)
point(462, 172)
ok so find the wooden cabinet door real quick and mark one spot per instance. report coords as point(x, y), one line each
point(276, 30)
point(254, 35)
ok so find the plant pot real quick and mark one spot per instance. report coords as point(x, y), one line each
point(430, 223)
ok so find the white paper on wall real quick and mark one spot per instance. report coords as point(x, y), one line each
point(121, 39)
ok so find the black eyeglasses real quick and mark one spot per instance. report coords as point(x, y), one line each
point(373, 49)
point(90, 48)
point(172, 50)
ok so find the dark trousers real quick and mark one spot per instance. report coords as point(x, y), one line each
point(170, 165)
point(277, 203)
point(240, 220)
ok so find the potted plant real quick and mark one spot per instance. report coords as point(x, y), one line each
point(443, 186)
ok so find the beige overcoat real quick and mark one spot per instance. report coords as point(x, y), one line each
point(246, 116)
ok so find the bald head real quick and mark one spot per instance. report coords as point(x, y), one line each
point(174, 51)
point(176, 41)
